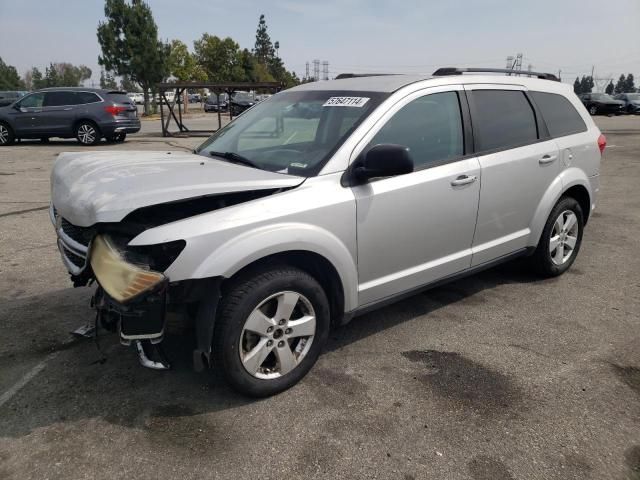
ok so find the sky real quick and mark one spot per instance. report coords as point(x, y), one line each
point(401, 36)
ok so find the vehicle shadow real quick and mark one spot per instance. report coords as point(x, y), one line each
point(81, 382)
point(468, 289)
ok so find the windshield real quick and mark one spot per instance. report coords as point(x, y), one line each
point(244, 96)
point(633, 96)
point(293, 132)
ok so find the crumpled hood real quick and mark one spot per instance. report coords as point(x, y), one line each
point(105, 186)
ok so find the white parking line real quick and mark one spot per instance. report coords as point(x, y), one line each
point(30, 375)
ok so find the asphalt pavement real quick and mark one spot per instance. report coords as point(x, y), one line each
point(499, 376)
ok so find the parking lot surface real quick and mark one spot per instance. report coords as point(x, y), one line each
point(498, 376)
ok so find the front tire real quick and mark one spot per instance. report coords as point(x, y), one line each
point(6, 135)
point(87, 133)
point(561, 239)
point(271, 328)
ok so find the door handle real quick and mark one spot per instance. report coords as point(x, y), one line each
point(547, 159)
point(67, 109)
point(463, 180)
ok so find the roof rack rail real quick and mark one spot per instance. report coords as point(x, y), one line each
point(358, 75)
point(459, 71)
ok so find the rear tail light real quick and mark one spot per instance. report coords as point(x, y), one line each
point(602, 143)
point(115, 109)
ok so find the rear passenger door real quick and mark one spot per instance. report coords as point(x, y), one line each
point(58, 112)
point(568, 129)
point(518, 162)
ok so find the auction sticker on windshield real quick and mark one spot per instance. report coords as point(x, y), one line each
point(346, 102)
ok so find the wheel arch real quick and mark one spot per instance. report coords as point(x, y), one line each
point(571, 182)
point(580, 193)
point(79, 120)
point(316, 265)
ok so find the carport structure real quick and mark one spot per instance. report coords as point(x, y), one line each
point(175, 107)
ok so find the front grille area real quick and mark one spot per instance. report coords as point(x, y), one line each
point(81, 235)
point(77, 260)
point(73, 242)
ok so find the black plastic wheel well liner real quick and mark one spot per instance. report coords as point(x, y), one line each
point(315, 265)
point(581, 195)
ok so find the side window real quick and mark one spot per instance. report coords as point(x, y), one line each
point(87, 97)
point(57, 99)
point(502, 119)
point(558, 113)
point(431, 126)
point(34, 100)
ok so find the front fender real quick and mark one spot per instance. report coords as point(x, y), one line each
point(239, 251)
point(563, 182)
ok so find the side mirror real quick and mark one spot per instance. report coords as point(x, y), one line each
point(384, 160)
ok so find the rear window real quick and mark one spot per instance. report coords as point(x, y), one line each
point(502, 119)
point(88, 97)
point(558, 113)
point(120, 98)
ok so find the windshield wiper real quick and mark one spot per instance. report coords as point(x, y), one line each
point(236, 158)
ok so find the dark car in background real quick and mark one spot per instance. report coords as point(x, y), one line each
point(212, 105)
point(631, 102)
point(8, 97)
point(87, 114)
point(240, 101)
point(601, 104)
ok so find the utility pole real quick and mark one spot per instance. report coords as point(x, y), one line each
point(306, 75)
point(316, 70)
point(325, 70)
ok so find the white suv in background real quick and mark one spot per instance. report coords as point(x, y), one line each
point(323, 202)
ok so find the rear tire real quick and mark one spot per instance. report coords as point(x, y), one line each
point(593, 110)
point(87, 133)
point(560, 240)
point(281, 354)
point(6, 135)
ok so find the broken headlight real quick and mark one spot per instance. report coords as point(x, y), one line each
point(118, 277)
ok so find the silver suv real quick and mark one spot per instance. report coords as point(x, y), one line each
point(321, 203)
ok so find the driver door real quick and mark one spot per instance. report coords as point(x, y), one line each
point(26, 114)
point(417, 228)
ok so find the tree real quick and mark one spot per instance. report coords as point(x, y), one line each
point(586, 84)
point(263, 49)
point(9, 78)
point(609, 89)
point(621, 84)
point(577, 86)
point(66, 75)
point(629, 84)
point(107, 80)
point(130, 45)
point(219, 58)
point(183, 65)
point(126, 85)
point(266, 54)
point(51, 78)
point(37, 80)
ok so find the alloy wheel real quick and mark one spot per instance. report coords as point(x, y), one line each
point(277, 335)
point(4, 135)
point(564, 237)
point(86, 134)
